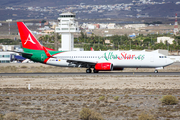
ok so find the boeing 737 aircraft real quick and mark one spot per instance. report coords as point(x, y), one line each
point(98, 60)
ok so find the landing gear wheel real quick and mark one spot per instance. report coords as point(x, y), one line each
point(88, 71)
point(95, 71)
point(156, 71)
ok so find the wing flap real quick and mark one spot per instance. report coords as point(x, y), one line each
point(85, 63)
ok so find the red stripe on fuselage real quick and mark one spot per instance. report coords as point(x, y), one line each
point(45, 61)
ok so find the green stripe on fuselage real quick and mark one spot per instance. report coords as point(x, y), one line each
point(38, 55)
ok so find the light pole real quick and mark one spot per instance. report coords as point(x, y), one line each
point(98, 43)
point(9, 24)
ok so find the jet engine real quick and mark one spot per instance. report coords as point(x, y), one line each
point(104, 67)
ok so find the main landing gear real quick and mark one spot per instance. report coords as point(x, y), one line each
point(89, 71)
point(95, 71)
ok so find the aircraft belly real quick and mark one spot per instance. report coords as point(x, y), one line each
point(128, 63)
point(61, 63)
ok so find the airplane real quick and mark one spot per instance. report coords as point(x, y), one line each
point(96, 60)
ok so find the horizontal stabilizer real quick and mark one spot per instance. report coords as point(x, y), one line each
point(21, 52)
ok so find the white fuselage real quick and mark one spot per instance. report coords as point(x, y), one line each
point(124, 59)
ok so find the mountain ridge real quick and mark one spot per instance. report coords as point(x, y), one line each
point(92, 9)
point(55, 3)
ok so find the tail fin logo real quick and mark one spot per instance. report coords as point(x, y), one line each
point(29, 39)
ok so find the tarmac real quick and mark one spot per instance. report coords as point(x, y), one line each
point(94, 74)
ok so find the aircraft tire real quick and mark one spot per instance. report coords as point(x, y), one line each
point(95, 71)
point(156, 71)
point(88, 71)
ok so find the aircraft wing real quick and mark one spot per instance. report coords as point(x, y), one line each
point(81, 62)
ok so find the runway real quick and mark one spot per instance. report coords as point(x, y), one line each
point(94, 74)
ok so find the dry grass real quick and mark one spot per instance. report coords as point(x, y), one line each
point(47, 104)
point(87, 114)
point(145, 116)
point(11, 116)
point(64, 97)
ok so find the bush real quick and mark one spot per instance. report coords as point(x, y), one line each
point(145, 116)
point(23, 66)
point(169, 100)
point(11, 116)
point(101, 98)
point(1, 117)
point(116, 98)
point(97, 102)
point(96, 116)
point(87, 114)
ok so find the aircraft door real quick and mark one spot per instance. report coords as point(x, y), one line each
point(152, 59)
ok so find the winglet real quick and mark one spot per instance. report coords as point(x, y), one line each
point(47, 53)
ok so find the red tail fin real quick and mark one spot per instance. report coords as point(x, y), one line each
point(27, 38)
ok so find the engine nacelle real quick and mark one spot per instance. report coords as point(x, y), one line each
point(104, 66)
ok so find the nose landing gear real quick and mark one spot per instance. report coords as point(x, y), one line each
point(156, 71)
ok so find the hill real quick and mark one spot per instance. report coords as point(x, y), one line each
point(92, 9)
point(56, 3)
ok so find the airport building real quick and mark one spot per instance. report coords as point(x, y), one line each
point(6, 57)
point(164, 39)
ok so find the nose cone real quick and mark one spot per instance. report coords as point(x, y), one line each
point(169, 61)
